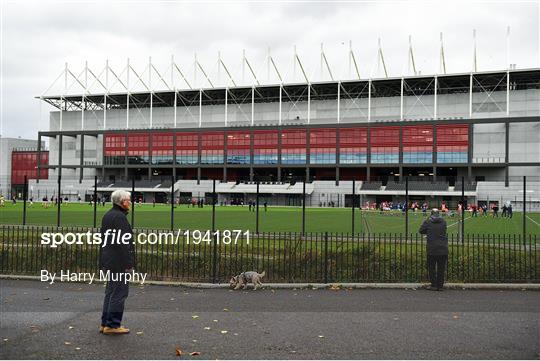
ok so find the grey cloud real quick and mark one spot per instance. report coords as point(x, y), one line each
point(39, 36)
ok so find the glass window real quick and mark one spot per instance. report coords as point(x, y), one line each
point(238, 156)
point(383, 155)
point(353, 155)
point(212, 156)
point(293, 156)
point(322, 156)
point(265, 156)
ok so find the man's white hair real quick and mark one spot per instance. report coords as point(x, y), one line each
point(118, 196)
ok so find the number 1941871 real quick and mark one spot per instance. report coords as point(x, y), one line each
point(221, 236)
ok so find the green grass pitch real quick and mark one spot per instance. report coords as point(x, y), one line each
point(275, 219)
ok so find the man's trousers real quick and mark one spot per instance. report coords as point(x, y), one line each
point(116, 293)
point(436, 269)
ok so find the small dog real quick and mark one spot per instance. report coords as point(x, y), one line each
point(242, 280)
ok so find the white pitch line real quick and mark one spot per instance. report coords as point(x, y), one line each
point(532, 220)
point(453, 224)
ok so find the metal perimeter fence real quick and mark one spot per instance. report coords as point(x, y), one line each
point(514, 200)
point(285, 257)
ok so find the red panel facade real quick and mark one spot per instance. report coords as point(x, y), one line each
point(322, 138)
point(115, 144)
point(417, 135)
point(293, 138)
point(453, 134)
point(24, 163)
point(265, 139)
point(353, 137)
point(238, 140)
point(385, 137)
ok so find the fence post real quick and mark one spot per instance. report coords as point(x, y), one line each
point(524, 207)
point(213, 205)
point(58, 199)
point(25, 195)
point(325, 257)
point(303, 208)
point(463, 210)
point(133, 202)
point(172, 202)
point(406, 208)
point(353, 204)
point(95, 201)
point(257, 211)
point(214, 258)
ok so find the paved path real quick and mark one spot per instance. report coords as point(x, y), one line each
point(60, 321)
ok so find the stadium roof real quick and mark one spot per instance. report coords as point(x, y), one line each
point(381, 87)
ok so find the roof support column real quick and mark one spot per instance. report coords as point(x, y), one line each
point(105, 95)
point(151, 108)
point(226, 110)
point(369, 101)
point(309, 103)
point(81, 169)
point(470, 95)
point(200, 110)
point(38, 157)
point(279, 115)
point(127, 95)
point(175, 104)
point(401, 100)
point(252, 105)
point(507, 93)
point(435, 98)
point(338, 101)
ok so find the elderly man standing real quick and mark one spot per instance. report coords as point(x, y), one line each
point(437, 249)
point(117, 258)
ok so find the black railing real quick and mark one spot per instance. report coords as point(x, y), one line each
point(286, 257)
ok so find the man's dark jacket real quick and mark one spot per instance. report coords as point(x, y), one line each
point(437, 241)
point(116, 257)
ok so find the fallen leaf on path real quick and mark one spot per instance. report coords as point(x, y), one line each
point(6, 339)
point(46, 299)
point(172, 299)
point(455, 317)
point(224, 332)
point(77, 348)
point(139, 333)
point(215, 320)
point(194, 353)
point(71, 327)
point(225, 309)
point(321, 336)
point(207, 328)
point(67, 343)
point(194, 316)
point(178, 352)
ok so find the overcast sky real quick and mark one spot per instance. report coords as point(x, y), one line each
point(38, 37)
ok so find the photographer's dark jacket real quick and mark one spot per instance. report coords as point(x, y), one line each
point(437, 241)
point(116, 257)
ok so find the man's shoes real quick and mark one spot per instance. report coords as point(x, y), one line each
point(115, 330)
point(101, 328)
point(431, 288)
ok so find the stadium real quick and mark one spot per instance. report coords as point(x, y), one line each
point(426, 139)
